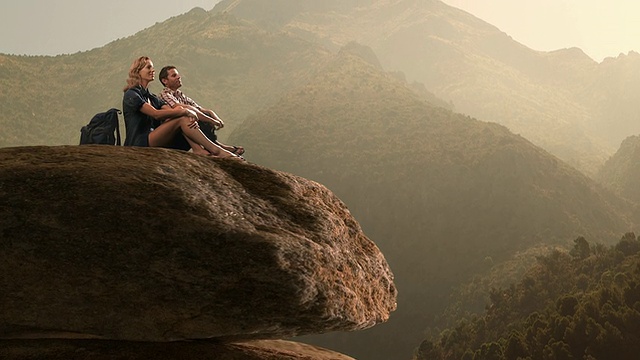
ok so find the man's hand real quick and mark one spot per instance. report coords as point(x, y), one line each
point(215, 120)
point(217, 124)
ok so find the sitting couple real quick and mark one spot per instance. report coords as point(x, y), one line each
point(170, 121)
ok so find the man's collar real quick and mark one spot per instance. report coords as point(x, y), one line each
point(176, 91)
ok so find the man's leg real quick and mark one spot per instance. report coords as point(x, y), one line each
point(210, 133)
point(164, 135)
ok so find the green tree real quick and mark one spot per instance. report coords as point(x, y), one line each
point(489, 351)
point(516, 347)
point(566, 305)
point(581, 249)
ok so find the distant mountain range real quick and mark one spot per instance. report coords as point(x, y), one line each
point(563, 101)
point(455, 147)
point(439, 192)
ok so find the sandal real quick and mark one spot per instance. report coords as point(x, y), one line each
point(238, 150)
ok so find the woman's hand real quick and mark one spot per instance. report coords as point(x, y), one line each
point(193, 118)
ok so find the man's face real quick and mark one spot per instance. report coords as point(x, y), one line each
point(174, 80)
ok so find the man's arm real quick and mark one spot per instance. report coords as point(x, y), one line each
point(166, 112)
point(212, 115)
point(203, 114)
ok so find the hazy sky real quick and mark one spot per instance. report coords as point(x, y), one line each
point(51, 27)
point(600, 28)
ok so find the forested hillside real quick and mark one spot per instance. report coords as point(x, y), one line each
point(580, 304)
point(445, 196)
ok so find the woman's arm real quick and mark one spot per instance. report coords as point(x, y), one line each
point(166, 112)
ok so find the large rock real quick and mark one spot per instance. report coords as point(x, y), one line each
point(56, 349)
point(150, 244)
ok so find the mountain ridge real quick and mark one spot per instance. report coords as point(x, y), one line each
point(463, 59)
point(620, 171)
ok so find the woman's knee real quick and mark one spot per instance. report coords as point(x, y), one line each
point(189, 122)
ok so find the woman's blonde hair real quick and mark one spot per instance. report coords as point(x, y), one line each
point(134, 72)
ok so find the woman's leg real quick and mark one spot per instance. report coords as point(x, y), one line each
point(165, 133)
point(197, 148)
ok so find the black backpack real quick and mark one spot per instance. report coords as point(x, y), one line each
point(101, 128)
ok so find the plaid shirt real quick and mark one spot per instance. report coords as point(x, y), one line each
point(173, 98)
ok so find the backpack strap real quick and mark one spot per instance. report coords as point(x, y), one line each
point(118, 128)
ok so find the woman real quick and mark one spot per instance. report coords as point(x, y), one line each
point(151, 122)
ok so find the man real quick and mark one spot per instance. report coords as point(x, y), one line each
point(209, 121)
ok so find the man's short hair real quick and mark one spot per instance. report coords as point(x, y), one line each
point(164, 73)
